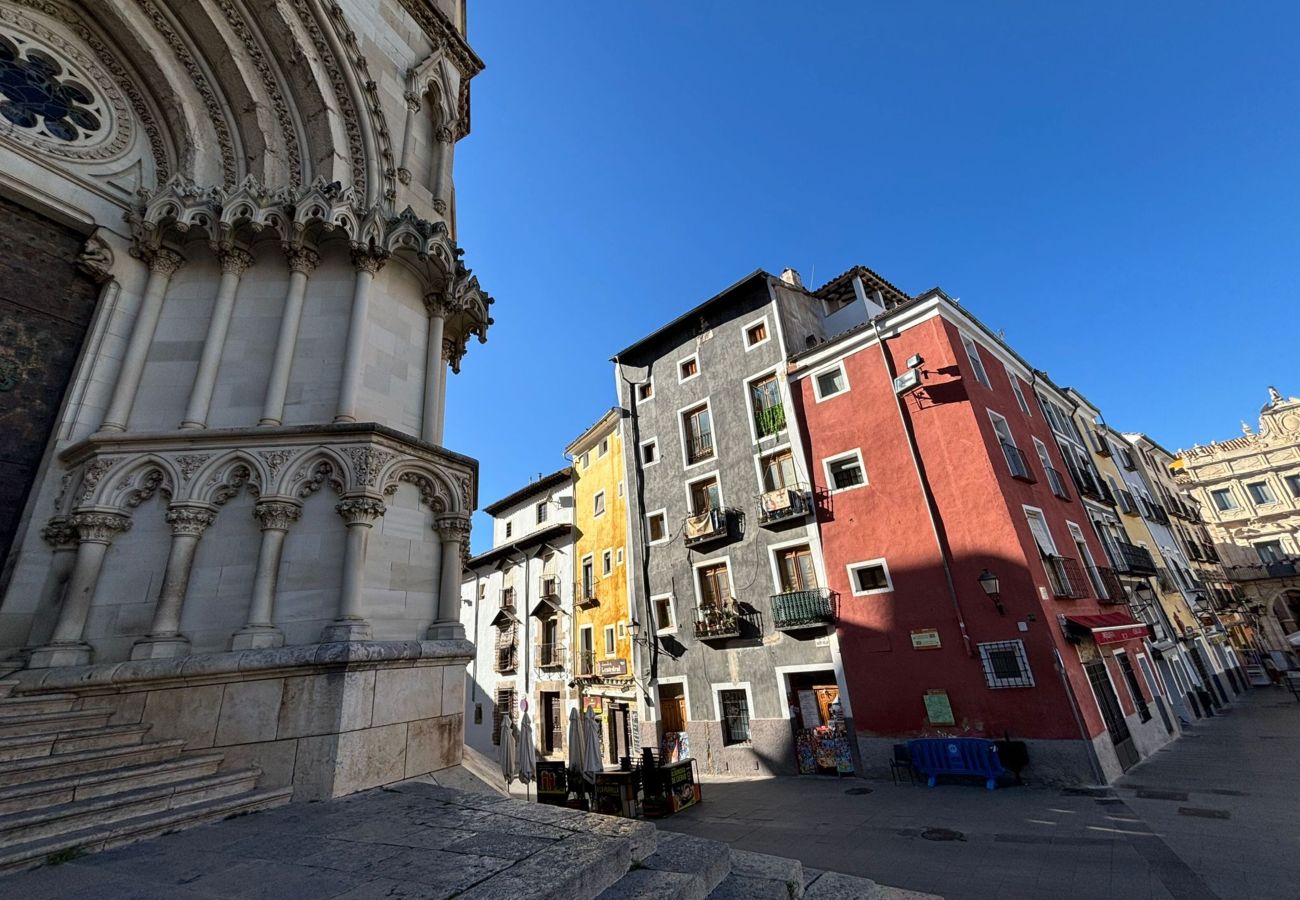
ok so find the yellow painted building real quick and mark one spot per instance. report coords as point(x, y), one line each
point(603, 647)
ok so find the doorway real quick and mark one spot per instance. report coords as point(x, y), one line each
point(552, 723)
point(620, 732)
point(817, 726)
point(1108, 703)
point(674, 741)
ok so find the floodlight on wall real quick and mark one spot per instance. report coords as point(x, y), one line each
point(915, 361)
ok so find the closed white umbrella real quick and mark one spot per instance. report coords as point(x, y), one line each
point(592, 762)
point(527, 753)
point(506, 749)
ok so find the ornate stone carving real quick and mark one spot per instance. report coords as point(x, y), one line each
point(235, 261)
point(275, 459)
point(189, 464)
point(453, 528)
point(367, 463)
point(230, 481)
point(445, 37)
point(192, 520)
point(440, 206)
point(59, 533)
point(348, 113)
point(165, 262)
point(302, 259)
point(366, 261)
point(99, 527)
point(428, 488)
point(276, 515)
point(96, 469)
point(453, 351)
point(444, 135)
point(363, 510)
point(96, 259)
point(321, 473)
point(155, 480)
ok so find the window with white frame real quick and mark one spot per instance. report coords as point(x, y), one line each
point(618, 556)
point(976, 361)
point(733, 712)
point(869, 577)
point(541, 512)
point(1016, 462)
point(688, 368)
point(766, 406)
point(611, 643)
point(646, 390)
point(697, 434)
point(656, 527)
point(620, 487)
point(756, 333)
point(1292, 484)
point(1223, 499)
point(665, 614)
point(1005, 664)
point(777, 470)
point(606, 562)
point(603, 448)
point(845, 471)
point(1260, 493)
point(649, 452)
point(830, 382)
point(1020, 394)
point(598, 504)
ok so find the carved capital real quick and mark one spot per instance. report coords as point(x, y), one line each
point(59, 533)
point(412, 101)
point(192, 520)
point(96, 259)
point(360, 510)
point(302, 259)
point(435, 304)
point(444, 135)
point(235, 261)
point(453, 528)
point(165, 262)
point(99, 527)
point(276, 515)
point(440, 206)
point(453, 351)
point(404, 176)
point(365, 261)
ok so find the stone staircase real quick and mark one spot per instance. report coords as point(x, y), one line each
point(71, 783)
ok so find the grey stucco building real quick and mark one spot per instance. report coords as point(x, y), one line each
point(726, 572)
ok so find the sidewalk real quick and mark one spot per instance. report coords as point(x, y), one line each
point(1217, 814)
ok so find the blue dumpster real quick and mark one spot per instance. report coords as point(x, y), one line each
point(933, 757)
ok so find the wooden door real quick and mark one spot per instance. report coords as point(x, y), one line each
point(674, 712)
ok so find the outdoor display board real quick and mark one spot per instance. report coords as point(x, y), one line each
point(552, 782)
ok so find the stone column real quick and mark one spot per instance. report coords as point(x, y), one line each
point(188, 522)
point(62, 538)
point(275, 517)
point(302, 262)
point(367, 266)
point(95, 531)
point(431, 421)
point(442, 181)
point(453, 532)
point(233, 265)
point(162, 265)
point(453, 351)
point(360, 514)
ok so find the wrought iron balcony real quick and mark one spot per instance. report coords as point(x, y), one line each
point(803, 609)
point(507, 658)
point(784, 505)
point(1067, 577)
point(707, 527)
point(1134, 560)
point(699, 447)
point(1017, 463)
point(769, 420)
point(725, 620)
point(1112, 590)
point(1057, 483)
point(508, 598)
point(550, 656)
point(1128, 504)
point(1089, 486)
point(584, 594)
point(586, 662)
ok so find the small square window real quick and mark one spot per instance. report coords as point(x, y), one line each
point(541, 512)
point(620, 488)
point(688, 368)
point(665, 615)
point(1005, 664)
point(584, 460)
point(606, 562)
point(598, 504)
point(756, 334)
point(603, 449)
point(618, 556)
point(650, 453)
point(830, 383)
point(845, 472)
point(1260, 492)
point(870, 578)
point(657, 527)
point(645, 391)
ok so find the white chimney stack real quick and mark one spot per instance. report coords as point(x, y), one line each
point(791, 277)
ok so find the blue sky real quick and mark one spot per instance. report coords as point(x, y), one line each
point(1117, 188)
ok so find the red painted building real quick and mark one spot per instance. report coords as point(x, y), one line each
point(925, 491)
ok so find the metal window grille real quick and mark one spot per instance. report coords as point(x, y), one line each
point(735, 716)
point(870, 578)
point(1005, 664)
point(846, 473)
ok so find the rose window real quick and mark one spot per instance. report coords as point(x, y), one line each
point(37, 92)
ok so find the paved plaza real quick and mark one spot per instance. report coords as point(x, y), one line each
point(1217, 814)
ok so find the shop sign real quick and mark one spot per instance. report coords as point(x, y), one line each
point(682, 789)
point(552, 786)
point(611, 667)
point(1119, 635)
point(938, 709)
point(926, 639)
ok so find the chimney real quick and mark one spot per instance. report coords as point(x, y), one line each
point(791, 277)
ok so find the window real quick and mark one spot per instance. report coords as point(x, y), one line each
point(588, 585)
point(1053, 477)
point(1020, 394)
point(611, 645)
point(620, 487)
point(830, 382)
point(586, 650)
point(756, 334)
point(645, 391)
point(769, 413)
point(606, 562)
point(1223, 499)
point(733, 706)
point(1016, 461)
point(618, 556)
point(870, 577)
point(1038, 528)
point(510, 527)
point(541, 512)
point(1260, 493)
point(1005, 664)
point(704, 495)
point(598, 504)
point(697, 428)
point(650, 452)
point(794, 567)
point(1085, 556)
point(1270, 552)
point(976, 363)
point(584, 460)
point(603, 448)
point(1293, 484)
point(777, 470)
point(505, 703)
point(845, 471)
point(665, 615)
point(715, 584)
point(656, 526)
point(688, 368)
point(1130, 678)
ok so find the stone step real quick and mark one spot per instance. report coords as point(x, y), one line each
point(56, 742)
point(66, 765)
point(40, 794)
point(681, 868)
point(837, 886)
point(42, 703)
point(45, 723)
point(52, 821)
point(127, 831)
point(7, 686)
point(757, 876)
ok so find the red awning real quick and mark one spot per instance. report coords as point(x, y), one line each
point(1112, 627)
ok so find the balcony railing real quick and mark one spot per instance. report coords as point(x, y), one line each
point(1280, 569)
point(1067, 577)
point(769, 420)
point(707, 527)
point(1090, 486)
point(1134, 560)
point(507, 659)
point(803, 609)
point(1112, 590)
point(783, 505)
point(1128, 504)
point(699, 447)
point(1018, 464)
point(550, 655)
point(1057, 483)
point(725, 620)
point(586, 662)
point(584, 594)
point(1099, 443)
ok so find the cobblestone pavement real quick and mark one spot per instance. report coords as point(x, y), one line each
point(1215, 815)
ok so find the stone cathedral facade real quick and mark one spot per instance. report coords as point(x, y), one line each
point(231, 300)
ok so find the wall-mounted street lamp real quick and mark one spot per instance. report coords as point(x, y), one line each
point(989, 582)
point(1143, 594)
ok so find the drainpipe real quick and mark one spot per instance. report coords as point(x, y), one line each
point(931, 507)
point(639, 479)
